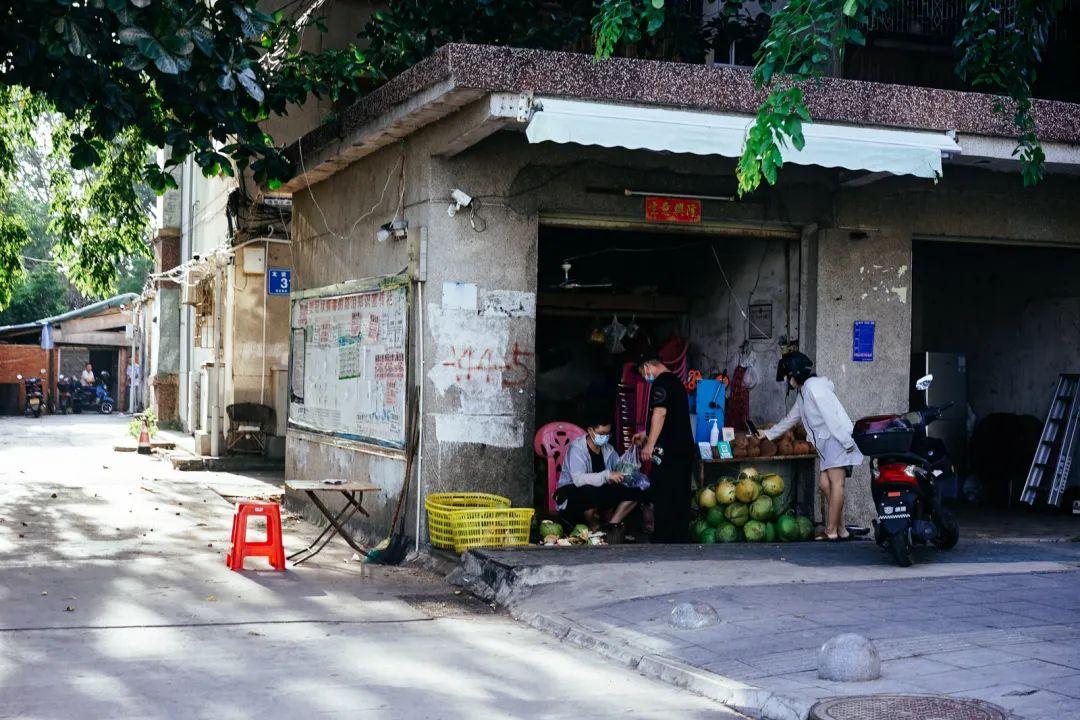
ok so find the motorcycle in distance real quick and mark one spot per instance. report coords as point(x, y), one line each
point(65, 390)
point(35, 396)
point(907, 471)
point(94, 398)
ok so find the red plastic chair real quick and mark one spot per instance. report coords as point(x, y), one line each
point(550, 442)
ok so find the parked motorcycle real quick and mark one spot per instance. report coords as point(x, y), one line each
point(907, 470)
point(65, 390)
point(94, 398)
point(35, 396)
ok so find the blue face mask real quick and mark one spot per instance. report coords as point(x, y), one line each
point(601, 440)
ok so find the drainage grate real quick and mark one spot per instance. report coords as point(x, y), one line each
point(905, 707)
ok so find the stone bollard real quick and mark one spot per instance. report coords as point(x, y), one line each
point(693, 615)
point(848, 658)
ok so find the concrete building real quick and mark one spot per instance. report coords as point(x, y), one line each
point(906, 210)
point(212, 333)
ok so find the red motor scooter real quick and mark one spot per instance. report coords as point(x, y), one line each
point(907, 469)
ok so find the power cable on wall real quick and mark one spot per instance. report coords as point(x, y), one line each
point(390, 176)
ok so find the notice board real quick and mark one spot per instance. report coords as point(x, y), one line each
point(348, 361)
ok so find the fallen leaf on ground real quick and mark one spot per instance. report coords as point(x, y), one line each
point(44, 592)
point(54, 494)
point(70, 608)
point(211, 598)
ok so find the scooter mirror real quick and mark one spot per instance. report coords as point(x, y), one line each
point(924, 382)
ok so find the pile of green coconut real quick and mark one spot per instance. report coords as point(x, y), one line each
point(749, 508)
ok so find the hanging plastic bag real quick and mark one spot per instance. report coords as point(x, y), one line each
point(629, 464)
point(748, 359)
point(613, 335)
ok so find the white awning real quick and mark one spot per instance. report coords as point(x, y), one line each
point(877, 150)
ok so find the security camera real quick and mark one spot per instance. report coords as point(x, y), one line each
point(461, 200)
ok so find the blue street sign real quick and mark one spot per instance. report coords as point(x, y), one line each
point(278, 281)
point(862, 345)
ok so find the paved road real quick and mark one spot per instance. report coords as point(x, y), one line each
point(115, 603)
point(998, 621)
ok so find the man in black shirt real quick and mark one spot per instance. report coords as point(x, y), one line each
point(669, 430)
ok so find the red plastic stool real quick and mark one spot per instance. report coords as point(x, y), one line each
point(271, 548)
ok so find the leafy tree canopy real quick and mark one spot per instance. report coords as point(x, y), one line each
point(126, 76)
point(201, 76)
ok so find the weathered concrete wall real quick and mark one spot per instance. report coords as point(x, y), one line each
point(758, 270)
point(864, 279)
point(1015, 313)
point(334, 241)
point(251, 316)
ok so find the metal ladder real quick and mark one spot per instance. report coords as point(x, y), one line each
point(1053, 456)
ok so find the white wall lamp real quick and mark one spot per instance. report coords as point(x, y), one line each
point(397, 229)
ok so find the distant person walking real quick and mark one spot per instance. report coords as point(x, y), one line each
point(134, 374)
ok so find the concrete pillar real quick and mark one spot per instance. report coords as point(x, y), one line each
point(864, 276)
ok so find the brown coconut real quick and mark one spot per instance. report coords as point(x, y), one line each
point(786, 447)
point(740, 441)
point(739, 451)
point(803, 448)
point(753, 451)
point(789, 436)
point(768, 448)
point(800, 432)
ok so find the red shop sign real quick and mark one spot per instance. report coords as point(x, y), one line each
point(672, 210)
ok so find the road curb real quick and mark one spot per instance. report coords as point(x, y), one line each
point(739, 696)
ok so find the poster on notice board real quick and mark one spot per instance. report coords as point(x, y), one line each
point(349, 361)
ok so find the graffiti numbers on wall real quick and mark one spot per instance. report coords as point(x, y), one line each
point(485, 364)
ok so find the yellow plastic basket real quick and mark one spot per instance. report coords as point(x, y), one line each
point(491, 527)
point(441, 507)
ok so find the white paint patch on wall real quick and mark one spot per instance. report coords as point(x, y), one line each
point(470, 357)
point(508, 304)
point(900, 292)
point(496, 430)
point(459, 296)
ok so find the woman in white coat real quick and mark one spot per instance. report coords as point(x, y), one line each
point(827, 426)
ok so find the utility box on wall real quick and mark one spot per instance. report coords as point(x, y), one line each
point(254, 260)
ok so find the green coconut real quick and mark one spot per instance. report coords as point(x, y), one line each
point(754, 530)
point(762, 508)
point(737, 514)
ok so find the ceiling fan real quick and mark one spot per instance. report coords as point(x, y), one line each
point(568, 284)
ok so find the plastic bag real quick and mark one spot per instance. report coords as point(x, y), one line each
point(613, 335)
point(629, 464)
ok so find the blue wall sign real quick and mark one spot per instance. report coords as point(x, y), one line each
point(278, 281)
point(862, 345)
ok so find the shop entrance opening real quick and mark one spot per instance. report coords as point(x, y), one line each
point(606, 296)
point(997, 324)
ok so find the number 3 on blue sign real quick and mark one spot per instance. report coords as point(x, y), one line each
point(278, 281)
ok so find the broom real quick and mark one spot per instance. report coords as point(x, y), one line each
point(393, 549)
